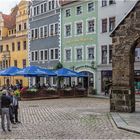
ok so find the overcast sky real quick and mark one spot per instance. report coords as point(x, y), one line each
point(6, 5)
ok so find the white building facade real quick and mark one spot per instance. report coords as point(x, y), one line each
point(110, 13)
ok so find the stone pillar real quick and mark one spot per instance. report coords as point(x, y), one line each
point(122, 98)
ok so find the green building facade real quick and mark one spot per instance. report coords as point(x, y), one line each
point(79, 38)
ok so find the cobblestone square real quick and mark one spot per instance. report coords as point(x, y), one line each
point(74, 118)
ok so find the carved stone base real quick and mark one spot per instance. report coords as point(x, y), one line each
point(122, 100)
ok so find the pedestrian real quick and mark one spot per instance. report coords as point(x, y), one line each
point(15, 107)
point(5, 104)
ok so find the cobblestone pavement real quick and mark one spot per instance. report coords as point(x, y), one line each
point(78, 118)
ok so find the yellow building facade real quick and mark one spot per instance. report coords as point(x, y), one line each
point(14, 42)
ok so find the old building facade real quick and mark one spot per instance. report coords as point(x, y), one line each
point(110, 12)
point(44, 37)
point(14, 41)
point(79, 37)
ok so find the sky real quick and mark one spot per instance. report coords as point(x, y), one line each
point(6, 5)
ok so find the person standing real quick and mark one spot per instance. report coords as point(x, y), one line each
point(5, 104)
point(15, 108)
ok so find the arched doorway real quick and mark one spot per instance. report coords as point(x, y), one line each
point(125, 38)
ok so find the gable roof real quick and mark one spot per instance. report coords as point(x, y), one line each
point(113, 32)
point(10, 20)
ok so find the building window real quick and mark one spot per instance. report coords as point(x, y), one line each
point(32, 56)
point(36, 33)
point(0, 33)
point(79, 10)
point(104, 54)
point(110, 53)
point(32, 34)
point(24, 63)
point(41, 32)
point(67, 30)
point(91, 26)
point(42, 8)
point(54, 54)
point(25, 26)
point(37, 10)
point(36, 55)
point(104, 25)
point(41, 55)
point(45, 7)
point(1, 48)
point(19, 27)
point(79, 28)
point(7, 47)
point(90, 53)
point(111, 23)
point(24, 45)
point(68, 55)
point(15, 63)
point(68, 14)
point(18, 46)
point(56, 29)
point(45, 31)
point(79, 54)
point(13, 46)
point(51, 29)
point(90, 6)
point(50, 5)
point(34, 11)
point(112, 2)
point(45, 55)
point(104, 3)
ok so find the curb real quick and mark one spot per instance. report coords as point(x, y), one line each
point(121, 124)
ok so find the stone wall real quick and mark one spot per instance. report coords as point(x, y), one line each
point(125, 38)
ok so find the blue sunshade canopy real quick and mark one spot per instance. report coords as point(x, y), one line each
point(63, 72)
point(32, 71)
point(9, 71)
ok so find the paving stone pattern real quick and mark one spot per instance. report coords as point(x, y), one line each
point(78, 118)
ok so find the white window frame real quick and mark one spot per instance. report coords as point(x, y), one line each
point(70, 12)
point(31, 56)
point(76, 10)
point(37, 56)
point(53, 53)
point(50, 29)
point(40, 55)
point(47, 55)
point(91, 46)
point(79, 47)
point(44, 31)
point(40, 32)
point(80, 21)
point(65, 30)
point(94, 26)
point(93, 6)
point(58, 28)
point(65, 54)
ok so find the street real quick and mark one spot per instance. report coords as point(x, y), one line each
point(74, 118)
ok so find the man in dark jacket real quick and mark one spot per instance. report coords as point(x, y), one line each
point(5, 104)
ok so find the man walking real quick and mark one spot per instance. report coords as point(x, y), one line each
point(5, 104)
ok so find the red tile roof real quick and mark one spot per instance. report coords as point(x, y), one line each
point(64, 2)
point(10, 20)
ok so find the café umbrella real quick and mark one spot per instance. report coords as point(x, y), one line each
point(64, 72)
point(9, 71)
point(34, 71)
